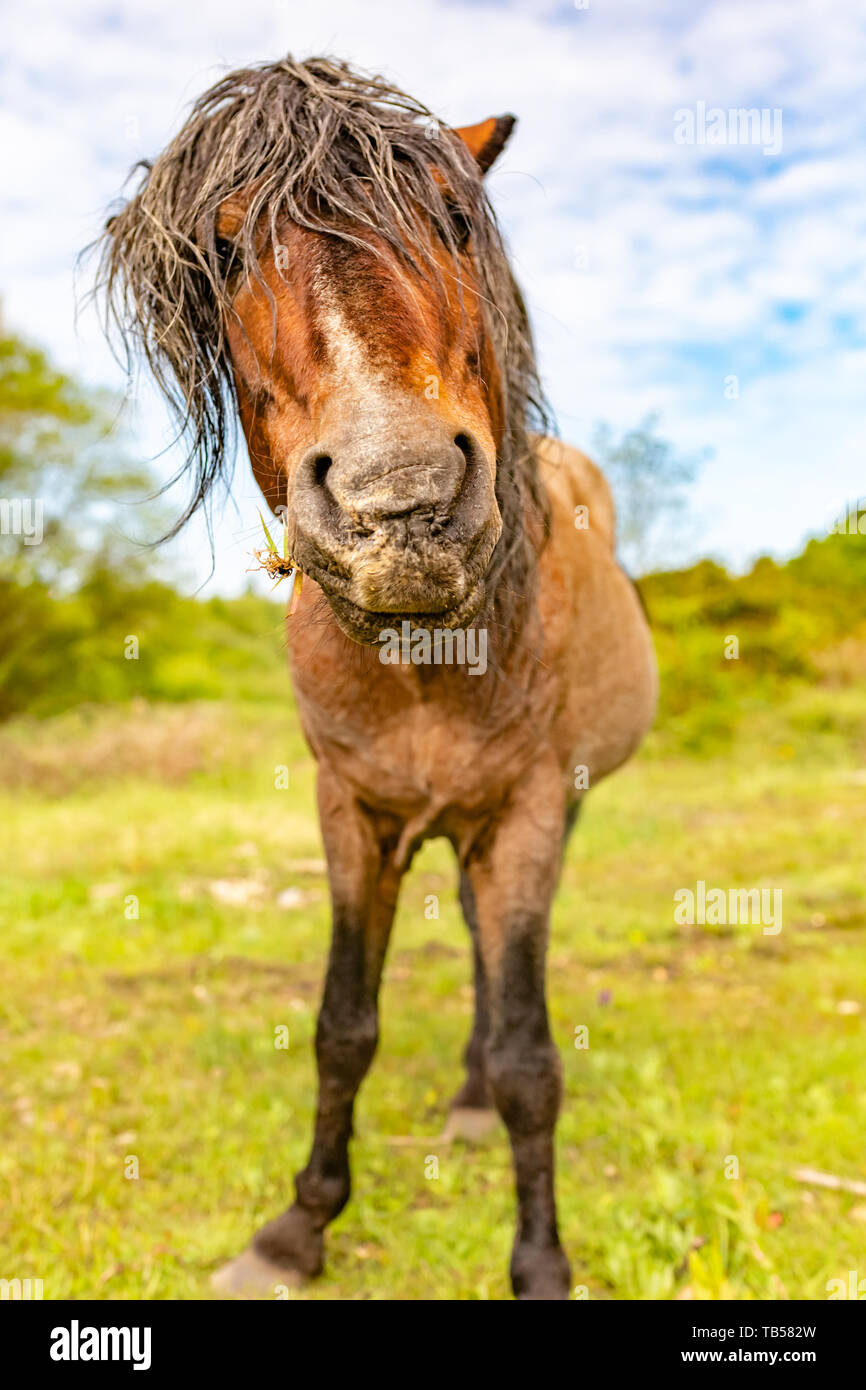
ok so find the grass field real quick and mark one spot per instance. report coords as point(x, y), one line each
point(152, 1037)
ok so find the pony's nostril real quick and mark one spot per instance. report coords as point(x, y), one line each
point(464, 444)
point(320, 468)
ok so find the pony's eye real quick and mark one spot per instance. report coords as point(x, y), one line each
point(461, 228)
point(226, 252)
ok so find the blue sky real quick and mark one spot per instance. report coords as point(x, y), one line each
point(655, 271)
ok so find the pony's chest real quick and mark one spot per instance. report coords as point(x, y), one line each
point(422, 756)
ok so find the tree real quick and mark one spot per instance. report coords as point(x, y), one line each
point(66, 562)
point(63, 476)
point(648, 478)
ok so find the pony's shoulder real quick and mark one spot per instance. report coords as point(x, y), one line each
point(573, 480)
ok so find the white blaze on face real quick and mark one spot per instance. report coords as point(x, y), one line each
point(351, 361)
point(350, 358)
point(377, 408)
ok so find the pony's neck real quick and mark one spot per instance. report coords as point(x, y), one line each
point(513, 575)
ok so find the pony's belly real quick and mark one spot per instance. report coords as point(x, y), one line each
point(602, 723)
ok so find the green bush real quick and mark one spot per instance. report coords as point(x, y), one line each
point(59, 652)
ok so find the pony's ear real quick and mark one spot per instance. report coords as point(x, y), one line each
point(486, 140)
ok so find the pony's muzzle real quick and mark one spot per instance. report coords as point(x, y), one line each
point(406, 527)
point(410, 477)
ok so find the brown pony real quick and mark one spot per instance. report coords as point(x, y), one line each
point(315, 254)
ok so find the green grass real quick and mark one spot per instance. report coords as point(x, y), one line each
point(154, 1036)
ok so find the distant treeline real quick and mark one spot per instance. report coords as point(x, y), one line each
point(111, 642)
point(731, 646)
point(725, 644)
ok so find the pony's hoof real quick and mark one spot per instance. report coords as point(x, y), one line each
point(540, 1274)
point(251, 1275)
point(470, 1123)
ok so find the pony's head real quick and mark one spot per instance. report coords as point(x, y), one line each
point(316, 254)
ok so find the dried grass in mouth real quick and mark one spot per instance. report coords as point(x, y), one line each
point(279, 566)
point(275, 566)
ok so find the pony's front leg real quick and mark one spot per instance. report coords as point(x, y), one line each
point(364, 885)
point(513, 868)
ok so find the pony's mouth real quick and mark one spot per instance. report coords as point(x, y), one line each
point(368, 628)
point(374, 588)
